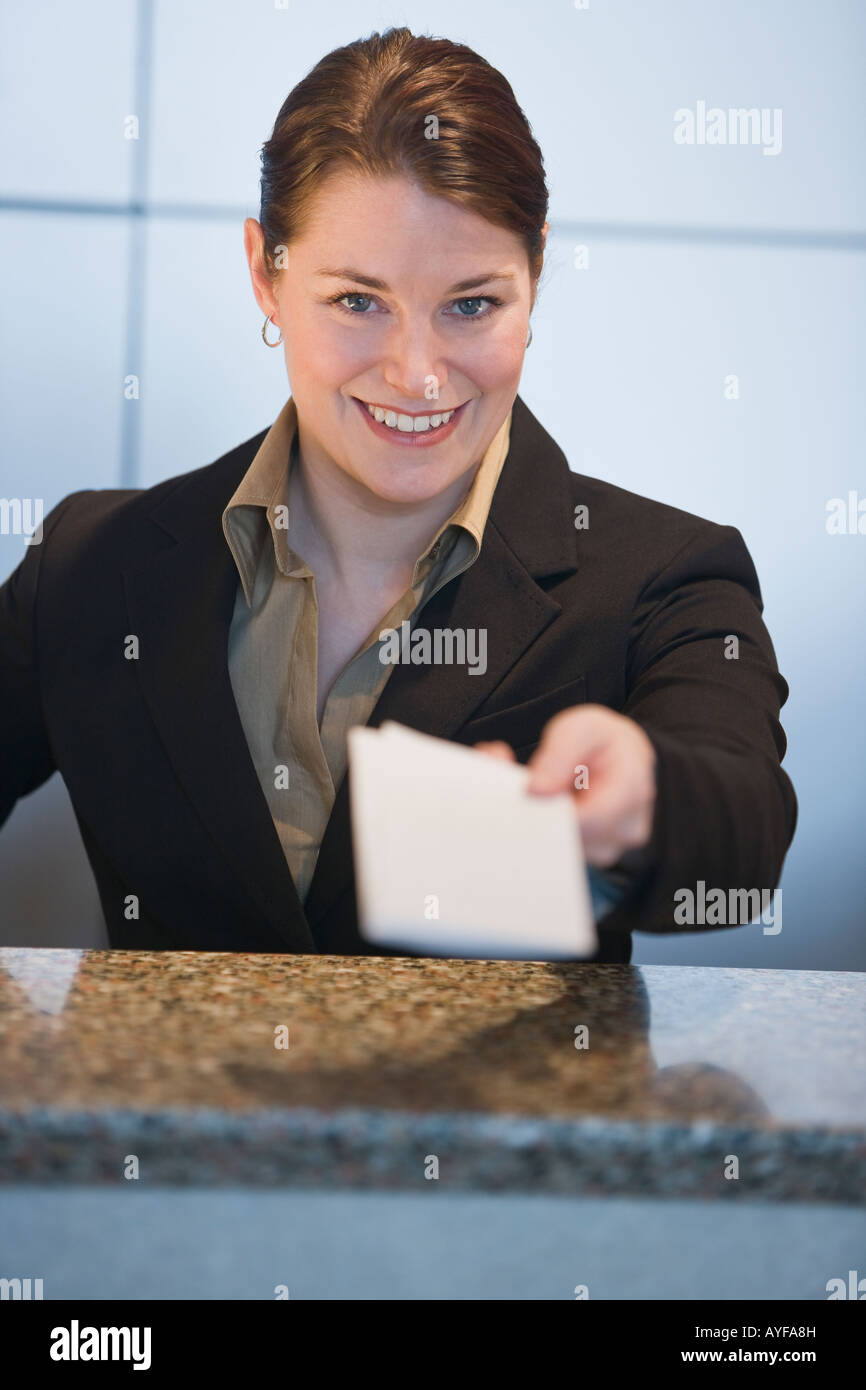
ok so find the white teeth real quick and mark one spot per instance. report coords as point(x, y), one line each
point(408, 424)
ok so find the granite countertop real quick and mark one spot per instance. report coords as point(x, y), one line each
point(393, 1063)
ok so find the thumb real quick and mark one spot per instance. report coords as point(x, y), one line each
point(551, 765)
point(568, 739)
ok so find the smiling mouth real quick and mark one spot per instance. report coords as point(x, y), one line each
point(401, 422)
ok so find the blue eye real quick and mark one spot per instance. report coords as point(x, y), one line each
point(362, 310)
point(475, 299)
point(352, 295)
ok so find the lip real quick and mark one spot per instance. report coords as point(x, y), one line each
point(423, 439)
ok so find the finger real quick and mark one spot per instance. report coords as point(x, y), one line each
point(606, 839)
point(496, 749)
point(622, 810)
point(569, 739)
point(602, 855)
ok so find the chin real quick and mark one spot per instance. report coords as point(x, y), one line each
point(418, 486)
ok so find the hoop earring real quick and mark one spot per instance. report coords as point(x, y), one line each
point(265, 333)
point(529, 339)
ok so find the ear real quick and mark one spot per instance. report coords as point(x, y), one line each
point(254, 245)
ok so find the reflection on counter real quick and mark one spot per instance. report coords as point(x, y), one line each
point(565, 1078)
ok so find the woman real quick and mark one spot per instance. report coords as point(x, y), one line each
point(191, 656)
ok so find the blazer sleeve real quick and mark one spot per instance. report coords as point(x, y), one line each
point(26, 758)
point(725, 810)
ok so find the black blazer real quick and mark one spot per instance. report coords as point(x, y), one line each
point(631, 611)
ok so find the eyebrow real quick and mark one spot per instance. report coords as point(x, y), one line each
point(349, 273)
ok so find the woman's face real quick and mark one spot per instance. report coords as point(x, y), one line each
point(400, 300)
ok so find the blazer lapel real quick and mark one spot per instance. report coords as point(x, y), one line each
point(180, 601)
point(529, 536)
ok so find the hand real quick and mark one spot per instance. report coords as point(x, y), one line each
point(607, 762)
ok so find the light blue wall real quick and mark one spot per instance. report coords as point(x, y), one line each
point(123, 256)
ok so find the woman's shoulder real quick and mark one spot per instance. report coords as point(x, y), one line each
point(618, 507)
point(650, 537)
point(107, 517)
point(610, 520)
point(646, 542)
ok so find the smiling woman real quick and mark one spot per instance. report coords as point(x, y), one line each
point(235, 614)
point(400, 270)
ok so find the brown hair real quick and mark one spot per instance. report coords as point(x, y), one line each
point(368, 105)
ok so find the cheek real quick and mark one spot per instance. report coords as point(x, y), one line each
point(323, 355)
point(320, 353)
point(495, 362)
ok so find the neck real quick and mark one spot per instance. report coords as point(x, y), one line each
point(354, 536)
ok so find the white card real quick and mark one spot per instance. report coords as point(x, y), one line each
point(453, 857)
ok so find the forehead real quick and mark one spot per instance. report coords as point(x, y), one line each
point(392, 228)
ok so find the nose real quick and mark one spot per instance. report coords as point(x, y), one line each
point(414, 366)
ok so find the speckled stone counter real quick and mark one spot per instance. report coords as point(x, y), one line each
point(498, 1076)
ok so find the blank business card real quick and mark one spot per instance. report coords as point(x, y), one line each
point(453, 856)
